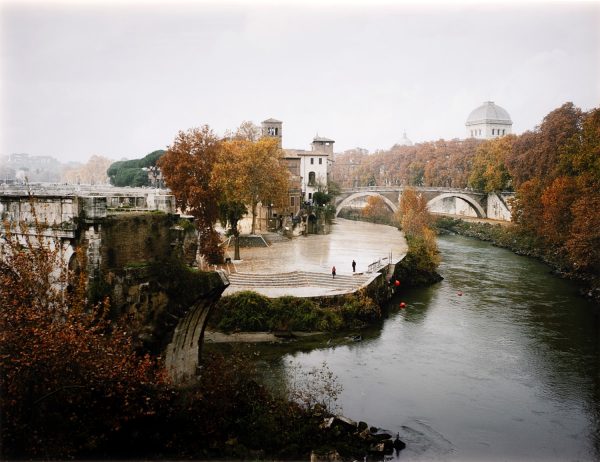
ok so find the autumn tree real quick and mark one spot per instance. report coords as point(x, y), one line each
point(71, 378)
point(423, 257)
point(489, 172)
point(187, 168)
point(250, 173)
point(376, 210)
point(246, 131)
point(92, 172)
point(413, 215)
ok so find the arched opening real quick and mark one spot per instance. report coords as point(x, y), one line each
point(348, 200)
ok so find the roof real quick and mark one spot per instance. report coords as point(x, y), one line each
point(405, 141)
point(489, 112)
point(322, 139)
point(272, 121)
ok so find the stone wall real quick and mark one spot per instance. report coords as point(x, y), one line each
point(130, 240)
point(167, 306)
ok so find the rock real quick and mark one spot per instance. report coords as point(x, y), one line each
point(330, 456)
point(362, 426)
point(343, 423)
point(377, 448)
point(380, 434)
point(366, 435)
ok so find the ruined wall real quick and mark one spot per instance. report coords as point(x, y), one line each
point(130, 240)
point(167, 305)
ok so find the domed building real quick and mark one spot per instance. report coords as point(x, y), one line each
point(404, 141)
point(488, 121)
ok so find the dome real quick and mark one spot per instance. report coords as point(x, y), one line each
point(404, 141)
point(489, 112)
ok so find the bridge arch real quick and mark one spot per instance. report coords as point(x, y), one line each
point(346, 201)
point(469, 200)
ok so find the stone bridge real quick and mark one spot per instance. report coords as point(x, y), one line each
point(451, 201)
point(122, 233)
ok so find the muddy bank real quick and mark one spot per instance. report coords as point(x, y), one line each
point(256, 337)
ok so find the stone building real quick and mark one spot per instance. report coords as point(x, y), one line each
point(488, 121)
point(313, 166)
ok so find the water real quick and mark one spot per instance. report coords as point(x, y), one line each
point(509, 370)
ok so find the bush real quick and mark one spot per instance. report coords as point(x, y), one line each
point(251, 312)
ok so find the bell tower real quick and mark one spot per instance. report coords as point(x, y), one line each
point(272, 128)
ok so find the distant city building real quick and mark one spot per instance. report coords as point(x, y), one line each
point(488, 121)
point(404, 141)
point(27, 168)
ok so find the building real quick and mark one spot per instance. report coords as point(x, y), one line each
point(488, 121)
point(273, 129)
point(314, 165)
point(404, 141)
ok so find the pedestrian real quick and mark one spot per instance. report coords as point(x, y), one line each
point(353, 266)
point(333, 272)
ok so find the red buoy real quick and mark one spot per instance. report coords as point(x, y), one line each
point(396, 283)
point(402, 305)
point(459, 293)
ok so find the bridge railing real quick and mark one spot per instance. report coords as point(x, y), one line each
point(377, 264)
point(417, 188)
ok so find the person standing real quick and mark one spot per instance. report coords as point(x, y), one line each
point(353, 266)
point(333, 272)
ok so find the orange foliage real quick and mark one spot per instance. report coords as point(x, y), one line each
point(70, 378)
point(413, 214)
point(187, 168)
point(376, 210)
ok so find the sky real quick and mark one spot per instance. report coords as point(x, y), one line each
point(121, 79)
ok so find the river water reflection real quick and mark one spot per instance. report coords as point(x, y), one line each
point(509, 370)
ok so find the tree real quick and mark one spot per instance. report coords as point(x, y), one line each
point(538, 154)
point(321, 198)
point(188, 168)
point(415, 220)
point(583, 241)
point(92, 172)
point(376, 210)
point(71, 378)
point(231, 212)
point(250, 173)
point(557, 200)
point(413, 214)
point(246, 131)
point(133, 172)
point(489, 172)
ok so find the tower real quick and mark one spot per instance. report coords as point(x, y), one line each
point(272, 128)
point(321, 144)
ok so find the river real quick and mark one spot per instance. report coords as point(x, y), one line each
point(500, 361)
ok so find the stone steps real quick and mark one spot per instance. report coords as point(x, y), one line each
point(299, 279)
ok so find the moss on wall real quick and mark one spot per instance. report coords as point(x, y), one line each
point(136, 238)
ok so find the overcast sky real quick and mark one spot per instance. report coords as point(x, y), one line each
point(121, 80)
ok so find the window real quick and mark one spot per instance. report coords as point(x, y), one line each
point(311, 178)
point(312, 160)
point(292, 201)
point(309, 196)
point(320, 160)
point(276, 131)
point(493, 131)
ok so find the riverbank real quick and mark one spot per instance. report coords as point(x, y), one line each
point(507, 237)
